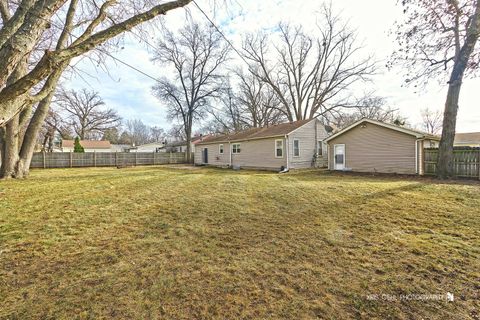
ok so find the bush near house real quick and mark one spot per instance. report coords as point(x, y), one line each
point(165, 243)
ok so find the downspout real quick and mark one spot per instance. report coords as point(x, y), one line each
point(288, 154)
point(328, 156)
point(230, 151)
point(416, 156)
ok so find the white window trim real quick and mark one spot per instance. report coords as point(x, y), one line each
point(293, 145)
point(278, 157)
point(233, 149)
point(221, 148)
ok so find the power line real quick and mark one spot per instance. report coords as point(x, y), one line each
point(104, 52)
point(148, 43)
point(128, 65)
point(221, 33)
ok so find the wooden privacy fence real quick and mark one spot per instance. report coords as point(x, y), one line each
point(103, 159)
point(466, 162)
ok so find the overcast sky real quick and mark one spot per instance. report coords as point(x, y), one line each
point(129, 91)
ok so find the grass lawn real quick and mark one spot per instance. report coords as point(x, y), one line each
point(165, 243)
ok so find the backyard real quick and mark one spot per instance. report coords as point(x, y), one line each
point(176, 243)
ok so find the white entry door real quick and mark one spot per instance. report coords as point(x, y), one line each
point(339, 156)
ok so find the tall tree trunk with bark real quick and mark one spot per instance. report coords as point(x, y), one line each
point(11, 132)
point(188, 133)
point(445, 155)
point(10, 157)
point(30, 138)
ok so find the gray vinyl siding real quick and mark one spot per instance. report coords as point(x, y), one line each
point(259, 154)
point(307, 137)
point(253, 154)
point(376, 149)
point(214, 156)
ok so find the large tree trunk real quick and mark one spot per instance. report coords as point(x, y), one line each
point(11, 149)
point(445, 151)
point(188, 132)
point(445, 154)
point(28, 146)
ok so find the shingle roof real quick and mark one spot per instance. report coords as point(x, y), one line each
point(257, 133)
point(469, 137)
point(88, 144)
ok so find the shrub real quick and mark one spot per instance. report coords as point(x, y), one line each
point(77, 147)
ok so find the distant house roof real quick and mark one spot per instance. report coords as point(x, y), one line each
point(467, 138)
point(257, 133)
point(198, 139)
point(412, 132)
point(88, 144)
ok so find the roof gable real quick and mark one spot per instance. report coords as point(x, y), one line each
point(417, 134)
point(258, 133)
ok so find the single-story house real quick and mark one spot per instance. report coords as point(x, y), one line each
point(148, 147)
point(469, 139)
point(120, 147)
point(289, 145)
point(181, 146)
point(373, 146)
point(88, 145)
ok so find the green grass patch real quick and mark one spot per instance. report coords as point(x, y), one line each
point(165, 243)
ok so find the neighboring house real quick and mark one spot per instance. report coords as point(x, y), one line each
point(373, 146)
point(290, 145)
point(88, 145)
point(120, 147)
point(181, 146)
point(148, 147)
point(470, 139)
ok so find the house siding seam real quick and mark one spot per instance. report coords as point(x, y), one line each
point(376, 149)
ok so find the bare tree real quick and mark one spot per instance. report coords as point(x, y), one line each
point(371, 107)
point(310, 75)
point(138, 133)
point(177, 132)
point(23, 27)
point(86, 114)
point(437, 41)
point(431, 120)
point(46, 36)
point(157, 134)
point(54, 126)
point(258, 101)
point(196, 54)
point(250, 104)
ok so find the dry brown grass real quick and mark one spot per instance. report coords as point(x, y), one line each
point(198, 244)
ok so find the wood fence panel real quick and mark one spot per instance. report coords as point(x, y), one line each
point(466, 162)
point(103, 159)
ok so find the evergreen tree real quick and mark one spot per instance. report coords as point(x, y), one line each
point(77, 147)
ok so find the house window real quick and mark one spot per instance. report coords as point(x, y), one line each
point(278, 148)
point(236, 148)
point(320, 148)
point(296, 148)
point(220, 149)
